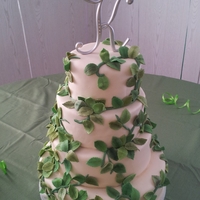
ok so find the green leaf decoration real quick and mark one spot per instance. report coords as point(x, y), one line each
point(98, 198)
point(148, 128)
point(139, 60)
point(103, 82)
point(123, 51)
point(63, 134)
point(135, 195)
point(117, 102)
point(69, 104)
point(73, 192)
point(131, 146)
point(115, 125)
point(79, 103)
point(119, 178)
point(90, 101)
point(100, 145)
point(116, 142)
point(91, 180)
point(66, 179)
point(162, 177)
point(91, 69)
point(47, 174)
point(48, 166)
point(57, 182)
point(131, 82)
point(94, 162)
point(97, 119)
point(122, 153)
point(85, 111)
point(79, 178)
point(143, 100)
point(61, 193)
point(140, 73)
point(106, 41)
point(74, 145)
point(82, 195)
point(139, 141)
point(126, 189)
point(105, 56)
point(114, 65)
point(134, 69)
point(63, 92)
point(3, 166)
point(66, 64)
point(129, 138)
point(69, 76)
point(150, 196)
point(129, 178)
point(107, 168)
point(113, 193)
point(56, 166)
point(116, 59)
point(71, 156)
point(125, 116)
point(131, 154)
point(133, 52)
point(88, 125)
point(63, 146)
point(112, 153)
point(127, 100)
point(119, 168)
point(67, 165)
point(98, 108)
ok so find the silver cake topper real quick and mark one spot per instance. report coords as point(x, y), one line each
point(100, 26)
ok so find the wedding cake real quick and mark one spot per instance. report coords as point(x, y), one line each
point(101, 141)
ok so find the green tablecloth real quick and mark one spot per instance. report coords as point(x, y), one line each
point(25, 108)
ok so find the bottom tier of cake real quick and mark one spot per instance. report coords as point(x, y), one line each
point(145, 184)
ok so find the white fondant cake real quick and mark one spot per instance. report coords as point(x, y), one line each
point(101, 144)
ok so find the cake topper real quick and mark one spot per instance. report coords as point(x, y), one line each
point(100, 26)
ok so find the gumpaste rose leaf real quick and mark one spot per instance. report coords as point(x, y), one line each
point(82, 195)
point(133, 52)
point(129, 178)
point(112, 153)
point(90, 101)
point(97, 119)
point(139, 141)
point(94, 162)
point(61, 193)
point(140, 73)
point(135, 195)
point(91, 180)
point(47, 174)
point(103, 82)
point(131, 154)
point(131, 82)
point(85, 111)
point(125, 116)
point(126, 189)
point(149, 196)
point(79, 103)
point(107, 168)
point(63, 146)
point(116, 59)
point(88, 125)
point(113, 193)
point(139, 60)
point(119, 168)
point(143, 100)
point(91, 69)
point(66, 64)
point(80, 178)
point(134, 69)
point(116, 142)
point(100, 145)
point(66, 179)
point(131, 146)
point(69, 104)
point(123, 51)
point(48, 166)
point(57, 182)
point(71, 156)
point(115, 125)
point(67, 165)
point(98, 108)
point(119, 178)
point(148, 128)
point(105, 56)
point(122, 153)
point(114, 65)
point(75, 145)
point(127, 100)
point(73, 192)
point(117, 102)
point(98, 198)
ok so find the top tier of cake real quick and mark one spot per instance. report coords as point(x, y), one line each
point(104, 74)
